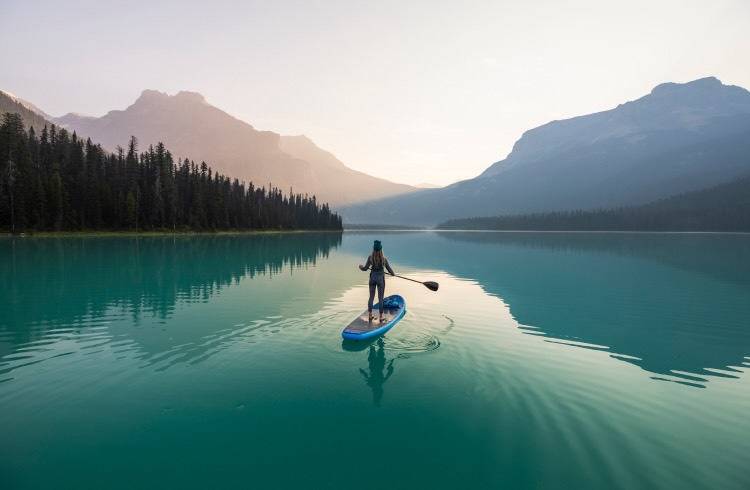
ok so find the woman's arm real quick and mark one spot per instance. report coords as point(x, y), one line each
point(388, 266)
point(366, 266)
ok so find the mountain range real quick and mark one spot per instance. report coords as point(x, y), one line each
point(722, 208)
point(678, 138)
point(192, 128)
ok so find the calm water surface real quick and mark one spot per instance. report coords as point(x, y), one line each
point(584, 361)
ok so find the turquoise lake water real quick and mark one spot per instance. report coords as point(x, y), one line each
point(586, 361)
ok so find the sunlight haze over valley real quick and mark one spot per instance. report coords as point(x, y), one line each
point(415, 92)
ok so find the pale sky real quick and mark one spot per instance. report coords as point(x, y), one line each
point(412, 91)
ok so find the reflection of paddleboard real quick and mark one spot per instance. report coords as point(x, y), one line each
point(394, 308)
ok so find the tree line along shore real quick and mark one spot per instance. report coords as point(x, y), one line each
point(58, 182)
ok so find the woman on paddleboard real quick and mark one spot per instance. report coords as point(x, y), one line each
point(378, 263)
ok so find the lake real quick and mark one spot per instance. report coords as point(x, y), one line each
point(545, 360)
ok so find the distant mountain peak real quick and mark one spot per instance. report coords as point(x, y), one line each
point(191, 96)
point(702, 84)
point(192, 128)
point(155, 96)
point(151, 94)
point(669, 106)
point(704, 91)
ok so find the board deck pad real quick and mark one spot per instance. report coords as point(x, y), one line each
point(362, 323)
point(362, 328)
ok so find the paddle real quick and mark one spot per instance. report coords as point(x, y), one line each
point(431, 285)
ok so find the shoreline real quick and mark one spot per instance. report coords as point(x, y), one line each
point(73, 234)
point(103, 234)
point(622, 232)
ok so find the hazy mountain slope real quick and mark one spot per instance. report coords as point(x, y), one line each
point(335, 178)
point(688, 107)
point(194, 129)
point(303, 148)
point(677, 139)
point(723, 208)
point(31, 115)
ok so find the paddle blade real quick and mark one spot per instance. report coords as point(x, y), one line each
point(432, 286)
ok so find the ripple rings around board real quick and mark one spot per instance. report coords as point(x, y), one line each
point(412, 343)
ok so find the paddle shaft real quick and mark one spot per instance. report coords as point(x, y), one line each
point(408, 279)
point(431, 285)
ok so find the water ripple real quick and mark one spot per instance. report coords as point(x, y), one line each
point(412, 343)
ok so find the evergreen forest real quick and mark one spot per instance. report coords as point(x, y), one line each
point(57, 181)
point(723, 208)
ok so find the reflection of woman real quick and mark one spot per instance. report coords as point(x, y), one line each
point(375, 380)
point(378, 262)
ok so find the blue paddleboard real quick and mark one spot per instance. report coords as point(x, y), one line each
point(394, 308)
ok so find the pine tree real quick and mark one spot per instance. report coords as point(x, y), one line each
point(130, 210)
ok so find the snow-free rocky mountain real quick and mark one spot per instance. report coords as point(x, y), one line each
point(191, 128)
point(678, 138)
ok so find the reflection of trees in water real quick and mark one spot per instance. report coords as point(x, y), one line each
point(374, 375)
point(73, 278)
point(720, 251)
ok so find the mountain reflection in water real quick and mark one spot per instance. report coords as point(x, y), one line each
point(673, 304)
